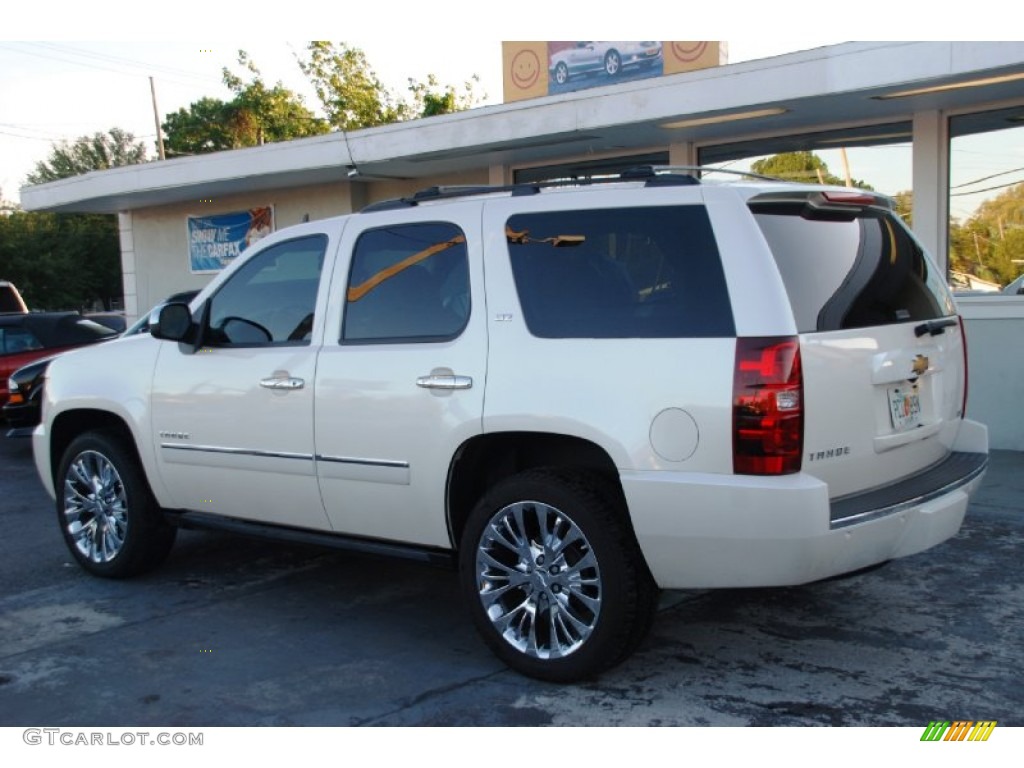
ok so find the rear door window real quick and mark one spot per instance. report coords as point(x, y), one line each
point(857, 271)
point(408, 283)
point(649, 272)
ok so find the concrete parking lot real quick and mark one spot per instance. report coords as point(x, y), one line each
point(239, 632)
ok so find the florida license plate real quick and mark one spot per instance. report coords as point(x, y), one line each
point(904, 408)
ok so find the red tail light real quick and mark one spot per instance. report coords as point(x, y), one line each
point(963, 340)
point(767, 406)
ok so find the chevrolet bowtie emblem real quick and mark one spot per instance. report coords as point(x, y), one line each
point(920, 365)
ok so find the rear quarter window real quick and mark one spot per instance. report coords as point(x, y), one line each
point(866, 270)
point(650, 272)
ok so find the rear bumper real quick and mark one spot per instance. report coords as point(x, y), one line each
point(699, 531)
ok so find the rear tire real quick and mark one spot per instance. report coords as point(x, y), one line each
point(553, 575)
point(109, 519)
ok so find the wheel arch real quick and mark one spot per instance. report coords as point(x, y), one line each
point(70, 424)
point(484, 460)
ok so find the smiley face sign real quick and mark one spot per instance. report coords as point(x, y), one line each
point(525, 69)
point(525, 75)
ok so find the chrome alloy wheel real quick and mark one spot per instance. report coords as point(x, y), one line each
point(538, 580)
point(95, 507)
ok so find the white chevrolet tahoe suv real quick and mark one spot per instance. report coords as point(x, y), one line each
point(578, 393)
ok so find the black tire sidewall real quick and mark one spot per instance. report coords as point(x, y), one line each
point(147, 536)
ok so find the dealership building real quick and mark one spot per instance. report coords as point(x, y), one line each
point(910, 104)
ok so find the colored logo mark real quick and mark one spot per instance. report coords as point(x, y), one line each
point(958, 730)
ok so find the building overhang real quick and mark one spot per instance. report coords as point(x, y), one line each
point(841, 85)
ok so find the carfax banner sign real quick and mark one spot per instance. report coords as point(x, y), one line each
point(214, 241)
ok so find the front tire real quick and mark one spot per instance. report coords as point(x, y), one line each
point(612, 63)
point(561, 73)
point(555, 581)
point(110, 521)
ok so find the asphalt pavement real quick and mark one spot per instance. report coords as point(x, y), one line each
point(232, 631)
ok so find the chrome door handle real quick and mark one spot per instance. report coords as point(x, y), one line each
point(444, 381)
point(283, 383)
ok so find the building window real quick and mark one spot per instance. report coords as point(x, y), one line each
point(875, 156)
point(986, 202)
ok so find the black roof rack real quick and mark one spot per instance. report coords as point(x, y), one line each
point(652, 175)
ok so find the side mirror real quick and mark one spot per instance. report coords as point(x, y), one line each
point(173, 323)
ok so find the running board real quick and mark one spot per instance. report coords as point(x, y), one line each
point(205, 521)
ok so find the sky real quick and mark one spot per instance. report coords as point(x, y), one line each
point(66, 83)
point(60, 90)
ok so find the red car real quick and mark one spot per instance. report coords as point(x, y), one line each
point(25, 337)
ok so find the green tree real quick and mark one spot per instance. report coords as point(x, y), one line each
point(431, 98)
point(352, 96)
point(350, 93)
point(257, 114)
point(206, 126)
point(63, 260)
point(905, 206)
point(89, 153)
point(801, 166)
point(990, 243)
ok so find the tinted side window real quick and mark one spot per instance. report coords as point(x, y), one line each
point(408, 283)
point(865, 271)
point(15, 340)
point(270, 299)
point(620, 273)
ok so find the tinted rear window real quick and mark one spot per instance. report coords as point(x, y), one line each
point(10, 300)
point(862, 272)
point(620, 273)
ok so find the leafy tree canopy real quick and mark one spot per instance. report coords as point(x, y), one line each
point(431, 98)
point(350, 93)
point(256, 115)
point(990, 243)
point(61, 260)
point(352, 96)
point(89, 153)
point(802, 166)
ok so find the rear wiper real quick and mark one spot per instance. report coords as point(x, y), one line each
point(934, 327)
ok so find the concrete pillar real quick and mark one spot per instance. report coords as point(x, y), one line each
point(128, 276)
point(498, 175)
point(682, 153)
point(358, 196)
point(931, 184)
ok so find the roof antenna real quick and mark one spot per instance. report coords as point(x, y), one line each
point(353, 169)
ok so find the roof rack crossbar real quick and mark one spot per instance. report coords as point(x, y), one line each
point(652, 175)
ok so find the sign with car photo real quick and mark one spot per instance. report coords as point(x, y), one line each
point(534, 69)
point(214, 241)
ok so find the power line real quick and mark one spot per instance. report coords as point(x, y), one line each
point(126, 61)
point(986, 178)
point(23, 128)
point(52, 56)
point(987, 189)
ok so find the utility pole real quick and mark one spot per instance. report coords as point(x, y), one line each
point(156, 118)
point(846, 167)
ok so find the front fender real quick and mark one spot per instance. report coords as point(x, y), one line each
point(93, 387)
